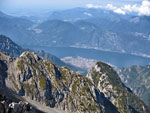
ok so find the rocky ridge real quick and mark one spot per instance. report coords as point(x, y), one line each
point(32, 76)
point(42, 81)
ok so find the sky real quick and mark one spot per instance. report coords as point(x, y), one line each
point(56, 4)
point(118, 6)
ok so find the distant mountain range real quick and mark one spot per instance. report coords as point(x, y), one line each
point(75, 14)
point(84, 28)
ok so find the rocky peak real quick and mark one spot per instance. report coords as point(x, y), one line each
point(30, 57)
point(107, 81)
point(28, 54)
point(102, 72)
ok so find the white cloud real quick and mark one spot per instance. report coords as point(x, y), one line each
point(130, 8)
point(143, 9)
point(93, 6)
point(110, 6)
point(120, 11)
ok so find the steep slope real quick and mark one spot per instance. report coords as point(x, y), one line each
point(108, 82)
point(40, 80)
point(137, 78)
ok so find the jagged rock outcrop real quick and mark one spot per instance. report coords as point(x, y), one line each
point(108, 82)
